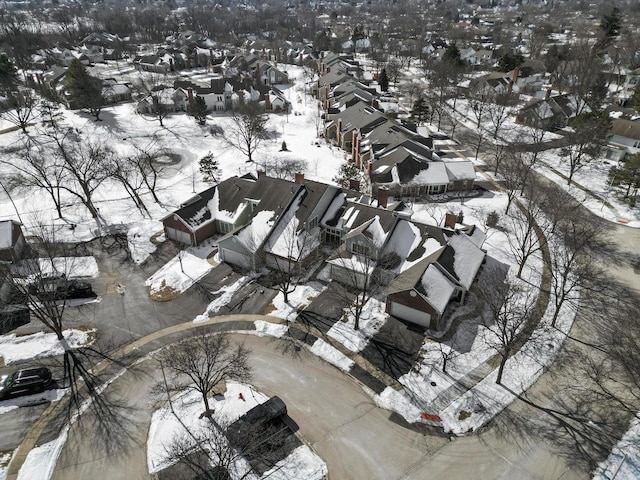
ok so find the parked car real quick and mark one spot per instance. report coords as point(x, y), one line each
point(24, 382)
point(60, 288)
point(12, 316)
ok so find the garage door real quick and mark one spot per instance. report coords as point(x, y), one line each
point(178, 235)
point(234, 258)
point(410, 314)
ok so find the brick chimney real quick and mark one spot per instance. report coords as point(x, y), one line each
point(354, 184)
point(383, 197)
point(267, 102)
point(262, 173)
point(450, 220)
point(339, 132)
point(516, 74)
point(547, 94)
point(300, 178)
point(190, 93)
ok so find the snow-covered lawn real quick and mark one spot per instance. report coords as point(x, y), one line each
point(371, 320)
point(71, 267)
point(300, 298)
point(301, 463)
point(331, 355)
point(180, 273)
point(40, 345)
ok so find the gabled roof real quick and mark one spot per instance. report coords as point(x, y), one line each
point(462, 259)
point(229, 195)
point(626, 128)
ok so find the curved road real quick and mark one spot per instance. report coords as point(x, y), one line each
point(337, 418)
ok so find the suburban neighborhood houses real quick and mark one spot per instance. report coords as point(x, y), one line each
point(312, 240)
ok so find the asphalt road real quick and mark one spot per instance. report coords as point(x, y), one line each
point(350, 433)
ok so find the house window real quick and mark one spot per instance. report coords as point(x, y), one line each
point(360, 249)
point(331, 235)
point(313, 222)
point(636, 144)
point(224, 227)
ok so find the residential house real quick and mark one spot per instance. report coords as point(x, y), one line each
point(529, 77)
point(12, 241)
point(405, 172)
point(217, 97)
point(360, 117)
point(422, 293)
point(114, 92)
point(154, 63)
point(624, 139)
point(217, 210)
point(631, 81)
point(327, 82)
point(551, 112)
point(162, 98)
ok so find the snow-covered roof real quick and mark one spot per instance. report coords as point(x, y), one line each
point(437, 288)
point(6, 234)
point(460, 170)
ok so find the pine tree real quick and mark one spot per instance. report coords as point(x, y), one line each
point(7, 72)
point(348, 171)
point(198, 110)
point(420, 111)
point(384, 80)
point(84, 90)
point(209, 168)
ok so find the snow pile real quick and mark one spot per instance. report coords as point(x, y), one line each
point(139, 239)
point(624, 460)
point(270, 329)
point(226, 293)
point(332, 355)
point(41, 461)
point(181, 272)
point(5, 458)
point(39, 345)
point(395, 401)
point(47, 396)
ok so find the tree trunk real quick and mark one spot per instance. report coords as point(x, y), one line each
point(503, 361)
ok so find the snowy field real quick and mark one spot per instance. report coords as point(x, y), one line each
point(15, 349)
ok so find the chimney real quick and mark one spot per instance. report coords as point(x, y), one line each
point(383, 197)
point(300, 178)
point(262, 173)
point(516, 73)
point(339, 132)
point(190, 93)
point(450, 220)
point(354, 184)
point(547, 94)
point(267, 102)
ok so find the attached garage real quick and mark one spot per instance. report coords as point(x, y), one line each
point(410, 314)
point(177, 235)
point(234, 258)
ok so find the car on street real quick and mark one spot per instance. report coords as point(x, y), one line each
point(24, 382)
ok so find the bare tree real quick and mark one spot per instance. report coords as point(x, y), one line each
point(586, 141)
point(509, 308)
point(148, 161)
point(285, 168)
point(290, 247)
point(526, 235)
point(513, 172)
point(34, 168)
point(124, 170)
point(154, 89)
point(205, 361)
point(22, 108)
point(248, 129)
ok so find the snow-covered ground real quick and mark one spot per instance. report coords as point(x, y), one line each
point(181, 272)
point(40, 345)
point(624, 461)
point(166, 426)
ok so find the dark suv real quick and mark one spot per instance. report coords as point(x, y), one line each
point(24, 382)
point(60, 288)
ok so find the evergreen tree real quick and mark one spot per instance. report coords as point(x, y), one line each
point(209, 168)
point(452, 55)
point(611, 23)
point(84, 90)
point(348, 171)
point(420, 111)
point(635, 99)
point(508, 61)
point(7, 72)
point(384, 80)
point(198, 110)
